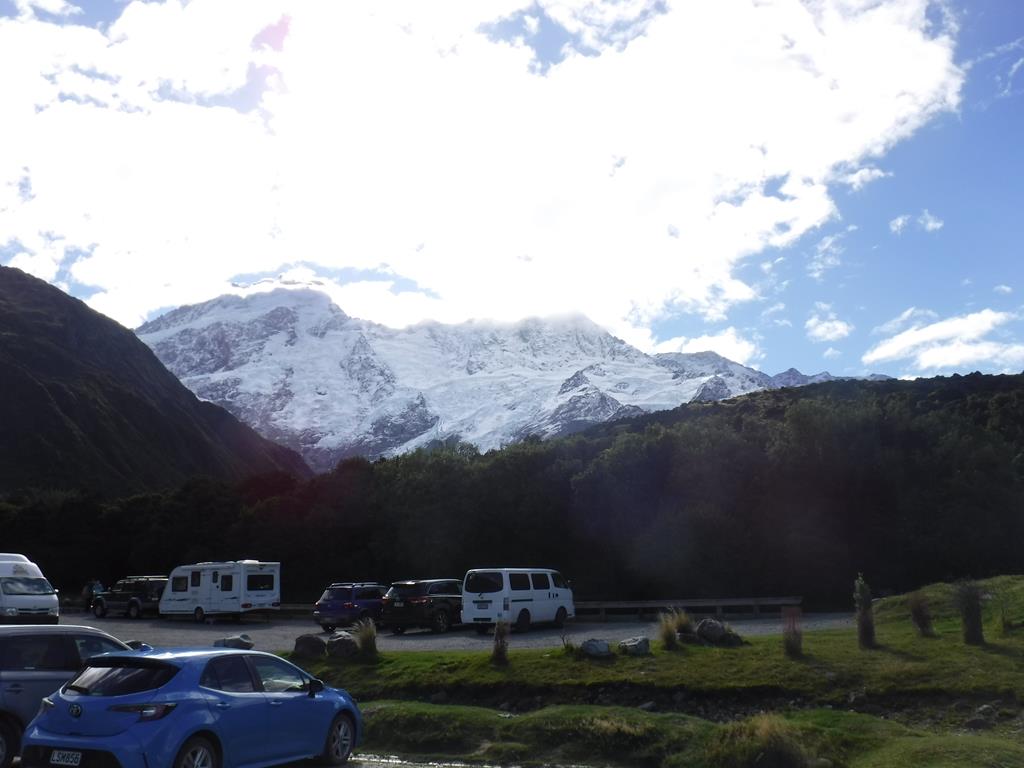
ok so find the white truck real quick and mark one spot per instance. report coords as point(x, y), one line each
point(26, 597)
point(520, 596)
point(230, 587)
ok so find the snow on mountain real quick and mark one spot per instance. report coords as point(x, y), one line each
point(303, 373)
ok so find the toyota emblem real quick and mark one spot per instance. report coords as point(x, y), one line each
point(75, 710)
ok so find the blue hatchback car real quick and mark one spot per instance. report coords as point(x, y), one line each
point(191, 708)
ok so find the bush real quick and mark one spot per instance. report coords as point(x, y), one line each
point(366, 638)
point(967, 597)
point(499, 654)
point(920, 613)
point(763, 741)
point(865, 617)
point(667, 632)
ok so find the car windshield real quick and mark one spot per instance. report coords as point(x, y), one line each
point(484, 581)
point(117, 677)
point(406, 590)
point(25, 585)
point(336, 593)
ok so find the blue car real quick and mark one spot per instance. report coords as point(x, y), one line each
point(191, 708)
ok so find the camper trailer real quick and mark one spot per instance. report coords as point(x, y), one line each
point(232, 587)
point(26, 597)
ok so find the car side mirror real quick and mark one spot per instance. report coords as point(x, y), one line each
point(315, 686)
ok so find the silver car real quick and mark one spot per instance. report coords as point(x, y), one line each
point(35, 661)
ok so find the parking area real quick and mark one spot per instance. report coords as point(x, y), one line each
point(279, 633)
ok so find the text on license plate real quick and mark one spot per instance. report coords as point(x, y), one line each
point(399, 603)
point(65, 757)
point(481, 603)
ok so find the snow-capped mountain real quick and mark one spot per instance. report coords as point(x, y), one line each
point(303, 373)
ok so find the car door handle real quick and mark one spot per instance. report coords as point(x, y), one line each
point(223, 705)
point(15, 688)
point(275, 703)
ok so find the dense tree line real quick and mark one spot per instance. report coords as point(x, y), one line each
point(785, 492)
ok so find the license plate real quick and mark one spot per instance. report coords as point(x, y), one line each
point(479, 604)
point(65, 757)
point(399, 603)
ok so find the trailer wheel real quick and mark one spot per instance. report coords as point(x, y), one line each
point(199, 615)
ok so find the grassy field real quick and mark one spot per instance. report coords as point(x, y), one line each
point(912, 701)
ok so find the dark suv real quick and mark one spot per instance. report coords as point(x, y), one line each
point(34, 662)
point(434, 603)
point(134, 596)
point(346, 602)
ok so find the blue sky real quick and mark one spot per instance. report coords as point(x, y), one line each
point(834, 186)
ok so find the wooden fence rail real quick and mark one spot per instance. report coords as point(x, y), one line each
point(602, 610)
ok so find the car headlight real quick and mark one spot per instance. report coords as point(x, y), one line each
point(10, 611)
point(54, 611)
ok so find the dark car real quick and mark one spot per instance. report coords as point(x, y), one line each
point(346, 602)
point(433, 603)
point(134, 596)
point(36, 661)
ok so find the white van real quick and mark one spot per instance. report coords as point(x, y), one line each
point(231, 587)
point(520, 596)
point(26, 597)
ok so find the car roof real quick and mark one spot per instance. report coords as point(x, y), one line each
point(53, 629)
point(125, 578)
point(422, 581)
point(183, 656)
point(334, 584)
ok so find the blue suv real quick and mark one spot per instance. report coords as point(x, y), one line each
point(346, 602)
point(191, 708)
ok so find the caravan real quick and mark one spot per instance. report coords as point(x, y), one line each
point(26, 597)
point(231, 587)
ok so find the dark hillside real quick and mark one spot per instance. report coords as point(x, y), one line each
point(84, 404)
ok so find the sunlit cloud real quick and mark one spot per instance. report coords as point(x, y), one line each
point(897, 225)
point(929, 222)
point(728, 343)
point(1005, 290)
point(825, 325)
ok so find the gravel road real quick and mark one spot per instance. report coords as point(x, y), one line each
point(279, 634)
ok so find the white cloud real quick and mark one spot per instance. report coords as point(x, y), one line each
point(864, 176)
point(928, 222)
point(824, 325)
point(1003, 289)
point(728, 343)
point(827, 255)
point(912, 317)
point(951, 343)
point(897, 225)
point(831, 353)
point(401, 134)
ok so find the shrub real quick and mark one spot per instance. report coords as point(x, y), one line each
point(920, 613)
point(366, 638)
point(763, 741)
point(865, 617)
point(967, 597)
point(499, 654)
point(667, 632)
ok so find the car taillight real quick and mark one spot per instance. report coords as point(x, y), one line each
point(387, 600)
point(146, 712)
point(350, 606)
point(419, 600)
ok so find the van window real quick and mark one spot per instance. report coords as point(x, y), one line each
point(37, 652)
point(196, 576)
point(540, 581)
point(92, 645)
point(25, 585)
point(179, 584)
point(259, 582)
point(558, 581)
point(479, 582)
point(216, 576)
point(227, 582)
point(518, 581)
point(368, 593)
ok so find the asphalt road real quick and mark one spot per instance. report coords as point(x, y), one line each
point(279, 633)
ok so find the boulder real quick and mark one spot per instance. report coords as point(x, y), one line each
point(341, 645)
point(595, 649)
point(242, 641)
point(635, 646)
point(714, 632)
point(309, 647)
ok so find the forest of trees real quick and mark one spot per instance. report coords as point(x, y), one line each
point(784, 492)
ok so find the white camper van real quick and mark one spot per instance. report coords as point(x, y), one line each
point(520, 596)
point(231, 587)
point(26, 597)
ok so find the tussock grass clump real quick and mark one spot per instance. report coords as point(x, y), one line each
point(967, 598)
point(921, 613)
point(366, 638)
point(499, 653)
point(763, 741)
point(671, 624)
point(865, 617)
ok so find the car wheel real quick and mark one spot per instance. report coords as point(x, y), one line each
point(398, 630)
point(439, 622)
point(134, 612)
point(197, 752)
point(99, 609)
point(341, 737)
point(560, 618)
point(523, 621)
point(199, 615)
point(328, 627)
point(8, 744)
